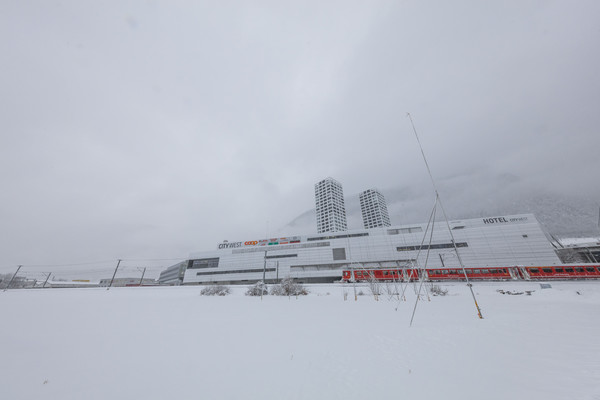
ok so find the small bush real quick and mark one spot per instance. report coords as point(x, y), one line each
point(258, 289)
point(215, 290)
point(375, 287)
point(436, 290)
point(288, 287)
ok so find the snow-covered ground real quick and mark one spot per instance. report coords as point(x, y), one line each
point(172, 343)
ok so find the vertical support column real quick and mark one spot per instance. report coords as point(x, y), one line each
point(264, 273)
point(13, 278)
point(46, 281)
point(113, 277)
point(142, 278)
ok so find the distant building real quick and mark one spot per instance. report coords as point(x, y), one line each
point(173, 275)
point(588, 252)
point(78, 283)
point(127, 282)
point(330, 208)
point(374, 210)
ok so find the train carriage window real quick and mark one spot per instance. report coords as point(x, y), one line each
point(445, 272)
point(485, 271)
point(559, 270)
point(579, 269)
point(534, 270)
point(476, 271)
point(568, 269)
point(547, 270)
point(590, 269)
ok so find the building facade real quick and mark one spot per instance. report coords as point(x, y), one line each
point(482, 242)
point(373, 209)
point(121, 282)
point(330, 207)
point(173, 275)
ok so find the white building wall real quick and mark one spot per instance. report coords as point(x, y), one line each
point(499, 241)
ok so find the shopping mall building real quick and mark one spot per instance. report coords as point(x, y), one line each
point(507, 240)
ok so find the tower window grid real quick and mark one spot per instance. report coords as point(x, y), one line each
point(330, 207)
point(374, 209)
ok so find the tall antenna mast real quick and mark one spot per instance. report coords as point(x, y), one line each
point(439, 201)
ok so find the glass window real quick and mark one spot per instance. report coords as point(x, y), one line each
point(204, 263)
point(339, 254)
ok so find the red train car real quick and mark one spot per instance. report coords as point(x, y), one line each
point(363, 275)
point(457, 274)
point(563, 272)
point(586, 271)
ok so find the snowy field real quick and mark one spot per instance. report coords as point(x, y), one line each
point(172, 343)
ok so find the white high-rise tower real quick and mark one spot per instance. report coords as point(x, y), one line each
point(373, 208)
point(331, 211)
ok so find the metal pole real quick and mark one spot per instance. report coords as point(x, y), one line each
point(143, 273)
point(593, 258)
point(277, 277)
point(265, 267)
point(437, 197)
point(262, 288)
point(46, 281)
point(113, 277)
point(462, 265)
point(13, 277)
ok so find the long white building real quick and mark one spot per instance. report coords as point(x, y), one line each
point(482, 242)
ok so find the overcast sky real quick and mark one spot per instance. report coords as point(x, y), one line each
point(152, 129)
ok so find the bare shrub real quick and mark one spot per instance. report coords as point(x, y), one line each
point(215, 290)
point(288, 287)
point(19, 282)
point(374, 287)
point(258, 289)
point(436, 290)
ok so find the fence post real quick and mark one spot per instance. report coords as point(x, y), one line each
point(13, 278)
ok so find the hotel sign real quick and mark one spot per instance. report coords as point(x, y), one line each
point(503, 220)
